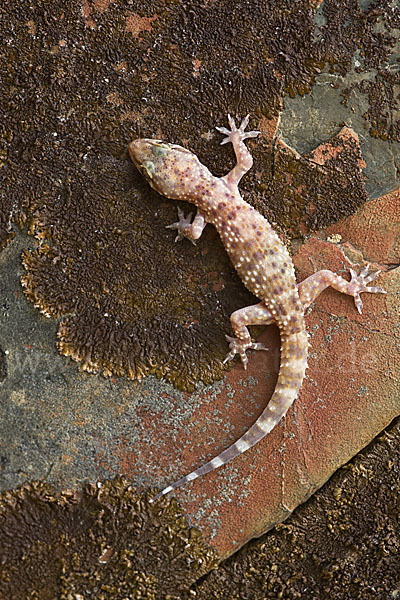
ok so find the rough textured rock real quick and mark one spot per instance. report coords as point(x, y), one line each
point(80, 80)
point(351, 392)
point(343, 544)
point(104, 541)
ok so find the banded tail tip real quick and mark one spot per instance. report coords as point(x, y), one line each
point(167, 490)
point(173, 486)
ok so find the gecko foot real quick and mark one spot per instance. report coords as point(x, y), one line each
point(237, 132)
point(183, 225)
point(239, 347)
point(359, 283)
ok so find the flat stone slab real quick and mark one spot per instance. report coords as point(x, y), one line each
point(67, 429)
point(350, 393)
point(110, 70)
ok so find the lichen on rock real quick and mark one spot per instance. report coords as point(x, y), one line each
point(104, 539)
point(100, 80)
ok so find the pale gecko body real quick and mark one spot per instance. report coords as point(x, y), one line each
point(261, 260)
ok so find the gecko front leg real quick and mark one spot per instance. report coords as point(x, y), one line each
point(187, 229)
point(236, 137)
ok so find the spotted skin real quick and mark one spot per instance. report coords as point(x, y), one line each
point(261, 260)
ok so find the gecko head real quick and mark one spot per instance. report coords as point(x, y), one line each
point(146, 155)
point(162, 164)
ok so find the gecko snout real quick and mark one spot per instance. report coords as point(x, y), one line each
point(147, 154)
point(139, 151)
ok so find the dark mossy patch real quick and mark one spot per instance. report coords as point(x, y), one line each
point(343, 544)
point(372, 41)
point(79, 83)
point(382, 93)
point(103, 542)
point(137, 303)
point(306, 193)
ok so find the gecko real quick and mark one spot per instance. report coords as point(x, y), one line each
point(259, 257)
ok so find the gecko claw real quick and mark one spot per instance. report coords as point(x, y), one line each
point(182, 225)
point(237, 132)
point(359, 284)
point(239, 347)
point(244, 123)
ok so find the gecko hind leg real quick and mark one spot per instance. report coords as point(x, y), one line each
point(311, 287)
point(257, 314)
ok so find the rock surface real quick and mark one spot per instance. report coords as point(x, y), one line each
point(351, 392)
point(81, 80)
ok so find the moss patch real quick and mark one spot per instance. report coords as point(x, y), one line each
point(80, 82)
point(104, 542)
point(3, 365)
point(343, 544)
point(308, 192)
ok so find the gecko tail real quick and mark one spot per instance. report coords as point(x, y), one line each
point(293, 366)
point(206, 468)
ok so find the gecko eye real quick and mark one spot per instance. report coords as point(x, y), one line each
point(148, 168)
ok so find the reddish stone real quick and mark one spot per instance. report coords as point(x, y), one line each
point(350, 393)
point(375, 229)
point(328, 151)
